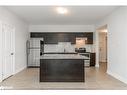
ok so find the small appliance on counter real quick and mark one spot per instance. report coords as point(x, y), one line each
point(35, 48)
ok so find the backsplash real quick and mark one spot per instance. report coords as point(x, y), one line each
point(65, 45)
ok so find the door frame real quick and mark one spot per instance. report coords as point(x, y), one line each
point(97, 44)
point(1, 53)
point(13, 47)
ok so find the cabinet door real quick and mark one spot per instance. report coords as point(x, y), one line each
point(89, 38)
point(66, 37)
point(58, 70)
point(88, 35)
point(50, 38)
point(92, 59)
point(72, 38)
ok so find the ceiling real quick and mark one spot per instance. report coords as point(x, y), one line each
point(47, 15)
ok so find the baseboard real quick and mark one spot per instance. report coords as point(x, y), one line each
point(17, 71)
point(33, 66)
point(97, 65)
point(102, 61)
point(117, 76)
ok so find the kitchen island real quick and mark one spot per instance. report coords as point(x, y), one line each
point(62, 68)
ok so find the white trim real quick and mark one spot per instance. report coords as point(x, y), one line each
point(97, 49)
point(117, 76)
point(97, 65)
point(1, 51)
point(19, 70)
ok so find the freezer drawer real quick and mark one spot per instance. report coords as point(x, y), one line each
point(34, 57)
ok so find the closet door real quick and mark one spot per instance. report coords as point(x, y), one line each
point(8, 54)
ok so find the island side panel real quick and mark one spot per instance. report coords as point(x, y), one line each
point(62, 70)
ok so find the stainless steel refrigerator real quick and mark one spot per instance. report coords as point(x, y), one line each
point(35, 48)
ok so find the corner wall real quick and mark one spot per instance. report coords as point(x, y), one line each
point(117, 43)
point(21, 35)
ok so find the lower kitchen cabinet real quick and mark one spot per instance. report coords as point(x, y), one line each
point(92, 59)
point(62, 70)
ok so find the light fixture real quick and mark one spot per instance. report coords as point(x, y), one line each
point(61, 10)
point(105, 30)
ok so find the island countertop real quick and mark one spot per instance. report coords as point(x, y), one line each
point(63, 56)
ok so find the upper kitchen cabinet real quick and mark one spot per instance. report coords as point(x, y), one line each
point(50, 38)
point(66, 37)
point(36, 35)
point(54, 38)
point(89, 38)
point(88, 35)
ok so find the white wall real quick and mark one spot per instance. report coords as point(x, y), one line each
point(61, 28)
point(117, 43)
point(0, 52)
point(21, 35)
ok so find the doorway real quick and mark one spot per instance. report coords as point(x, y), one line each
point(102, 47)
point(8, 50)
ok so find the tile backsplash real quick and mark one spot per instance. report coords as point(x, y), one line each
point(67, 46)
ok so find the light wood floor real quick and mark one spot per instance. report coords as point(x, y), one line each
point(96, 78)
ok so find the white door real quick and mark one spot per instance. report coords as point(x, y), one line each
point(8, 51)
point(102, 47)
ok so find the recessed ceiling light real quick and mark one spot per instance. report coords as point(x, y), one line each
point(61, 10)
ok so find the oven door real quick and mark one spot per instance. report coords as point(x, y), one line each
point(86, 63)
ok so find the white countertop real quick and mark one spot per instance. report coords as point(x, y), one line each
point(63, 56)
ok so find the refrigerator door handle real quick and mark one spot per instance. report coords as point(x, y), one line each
point(28, 47)
point(28, 51)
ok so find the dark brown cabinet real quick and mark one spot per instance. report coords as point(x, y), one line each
point(54, 38)
point(92, 59)
point(62, 70)
point(50, 38)
point(88, 35)
point(37, 35)
point(89, 38)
